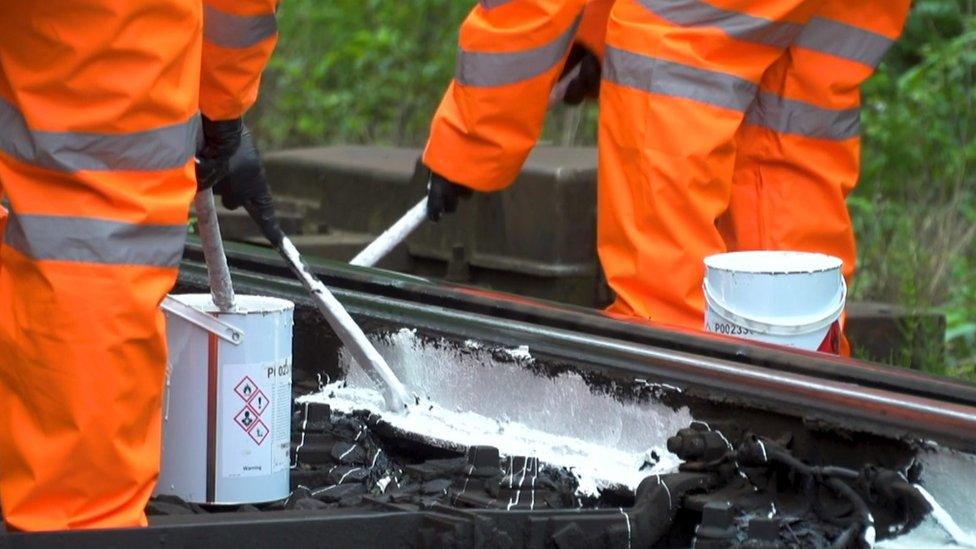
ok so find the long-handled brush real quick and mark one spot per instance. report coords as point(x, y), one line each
point(351, 335)
point(218, 273)
point(396, 234)
point(345, 327)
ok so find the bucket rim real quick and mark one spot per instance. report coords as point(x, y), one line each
point(720, 262)
point(244, 304)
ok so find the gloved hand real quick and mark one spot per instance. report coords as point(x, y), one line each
point(246, 184)
point(587, 82)
point(221, 139)
point(442, 196)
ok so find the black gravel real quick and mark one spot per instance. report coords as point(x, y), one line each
point(353, 460)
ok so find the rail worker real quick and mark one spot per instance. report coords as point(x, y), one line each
point(724, 125)
point(100, 116)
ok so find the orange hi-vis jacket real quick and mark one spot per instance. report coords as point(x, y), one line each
point(100, 105)
point(510, 54)
point(724, 125)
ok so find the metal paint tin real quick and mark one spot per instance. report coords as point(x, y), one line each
point(227, 405)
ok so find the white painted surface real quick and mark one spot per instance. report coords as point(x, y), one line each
point(946, 522)
point(469, 398)
point(950, 476)
point(949, 480)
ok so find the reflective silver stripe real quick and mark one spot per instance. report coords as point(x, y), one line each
point(843, 40)
point(489, 4)
point(236, 31)
point(499, 69)
point(739, 25)
point(658, 76)
point(801, 118)
point(99, 241)
point(158, 149)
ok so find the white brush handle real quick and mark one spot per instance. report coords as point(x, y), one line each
point(349, 332)
point(396, 234)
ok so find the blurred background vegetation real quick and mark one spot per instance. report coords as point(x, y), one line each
point(373, 71)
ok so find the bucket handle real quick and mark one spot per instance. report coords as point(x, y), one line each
point(775, 329)
point(203, 320)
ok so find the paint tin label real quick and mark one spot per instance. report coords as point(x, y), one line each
point(719, 326)
point(255, 404)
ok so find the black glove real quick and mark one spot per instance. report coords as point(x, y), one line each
point(246, 184)
point(587, 82)
point(442, 196)
point(221, 139)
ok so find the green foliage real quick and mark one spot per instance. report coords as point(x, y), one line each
point(915, 209)
point(357, 71)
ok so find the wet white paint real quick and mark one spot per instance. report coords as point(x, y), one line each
point(520, 353)
point(667, 490)
point(467, 398)
point(945, 520)
point(301, 443)
point(383, 483)
point(518, 494)
point(947, 482)
point(467, 478)
point(763, 448)
point(950, 476)
point(535, 475)
point(927, 534)
point(341, 480)
point(349, 451)
point(630, 534)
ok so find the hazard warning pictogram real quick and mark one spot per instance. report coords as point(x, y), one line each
point(259, 432)
point(246, 389)
point(259, 402)
point(246, 418)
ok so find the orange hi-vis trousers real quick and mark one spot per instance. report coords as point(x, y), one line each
point(728, 125)
point(99, 122)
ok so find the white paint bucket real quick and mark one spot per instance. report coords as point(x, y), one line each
point(227, 406)
point(788, 298)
